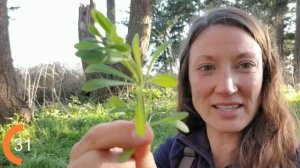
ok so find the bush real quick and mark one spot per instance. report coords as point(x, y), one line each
point(48, 83)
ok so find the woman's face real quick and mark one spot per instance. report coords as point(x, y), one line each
point(225, 72)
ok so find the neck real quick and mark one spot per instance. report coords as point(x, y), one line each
point(224, 147)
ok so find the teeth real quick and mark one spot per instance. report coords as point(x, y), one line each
point(227, 107)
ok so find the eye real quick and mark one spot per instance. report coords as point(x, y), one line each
point(246, 66)
point(206, 68)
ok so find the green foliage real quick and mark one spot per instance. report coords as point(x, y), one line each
point(127, 154)
point(292, 96)
point(111, 48)
point(56, 128)
point(169, 24)
point(164, 80)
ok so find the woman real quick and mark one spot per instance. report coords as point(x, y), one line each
point(229, 82)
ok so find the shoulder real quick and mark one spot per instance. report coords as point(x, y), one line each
point(163, 151)
point(297, 157)
point(168, 153)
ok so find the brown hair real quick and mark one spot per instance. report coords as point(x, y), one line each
point(270, 139)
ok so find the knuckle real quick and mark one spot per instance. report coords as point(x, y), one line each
point(90, 137)
point(73, 151)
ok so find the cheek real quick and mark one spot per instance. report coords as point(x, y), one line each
point(200, 89)
point(251, 88)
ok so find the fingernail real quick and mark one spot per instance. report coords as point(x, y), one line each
point(138, 137)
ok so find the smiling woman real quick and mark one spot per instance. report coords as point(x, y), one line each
point(229, 82)
point(231, 63)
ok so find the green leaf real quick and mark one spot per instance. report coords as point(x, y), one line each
point(94, 84)
point(130, 67)
point(116, 102)
point(126, 155)
point(91, 57)
point(157, 53)
point(102, 68)
point(140, 114)
point(124, 48)
point(87, 45)
point(136, 50)
point(103, 21)
point(115, 57)
point(90, 40)
point(182, 126)
point(170, 119)
point(115, 39)
point(94, 31)
point(164, 80)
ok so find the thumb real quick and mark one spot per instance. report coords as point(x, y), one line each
point(142, 155)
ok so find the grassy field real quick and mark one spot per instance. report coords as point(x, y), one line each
point(56, 128)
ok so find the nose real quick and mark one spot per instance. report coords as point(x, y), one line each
point(226, 85)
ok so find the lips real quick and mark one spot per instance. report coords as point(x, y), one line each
point(227, 107)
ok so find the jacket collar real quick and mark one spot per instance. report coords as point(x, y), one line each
point(198, 141)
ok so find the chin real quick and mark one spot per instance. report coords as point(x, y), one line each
point(232, 128)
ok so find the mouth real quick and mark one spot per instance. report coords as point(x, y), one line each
point(227, 107)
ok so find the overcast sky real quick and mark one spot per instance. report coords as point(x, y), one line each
point(44, 31)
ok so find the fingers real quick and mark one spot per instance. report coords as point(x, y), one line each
point(109, 135)
point(144, 158)
point(106, 159)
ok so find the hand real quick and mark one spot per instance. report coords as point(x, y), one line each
point(101, 146)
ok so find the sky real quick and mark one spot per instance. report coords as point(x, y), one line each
point(45, 31)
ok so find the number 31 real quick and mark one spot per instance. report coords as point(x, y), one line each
point(20, 146)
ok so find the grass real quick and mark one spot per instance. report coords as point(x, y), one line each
point(56, 128)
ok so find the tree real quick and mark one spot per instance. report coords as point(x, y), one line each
point(297, 45)
point(272, 12)
point(169, 24)
point(84, 21)
point(140, 22)
point(111, 11)
point(279, 10)
point(9, 100)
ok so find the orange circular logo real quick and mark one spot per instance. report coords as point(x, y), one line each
point(6, 144)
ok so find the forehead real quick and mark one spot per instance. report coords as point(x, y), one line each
point(218, 39)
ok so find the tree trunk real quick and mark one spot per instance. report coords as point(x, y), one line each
point(85, 19)
point(9, 100)
point(297, 46)
point(280, 37)
point(111, 11)
point(140, 22)
point(279, 11)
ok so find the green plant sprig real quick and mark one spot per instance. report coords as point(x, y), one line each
point(103, 51)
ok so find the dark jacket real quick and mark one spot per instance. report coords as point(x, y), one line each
point(170, 154)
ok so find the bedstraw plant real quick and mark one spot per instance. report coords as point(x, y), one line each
point(108, 48)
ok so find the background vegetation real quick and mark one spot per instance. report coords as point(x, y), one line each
point(62, 112)
point(56, 128)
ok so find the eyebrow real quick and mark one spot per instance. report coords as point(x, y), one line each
point(246, 54)
point(249, 55)
point(204, 56)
